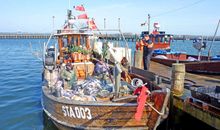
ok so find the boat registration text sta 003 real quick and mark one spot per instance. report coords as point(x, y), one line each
point(77, 112)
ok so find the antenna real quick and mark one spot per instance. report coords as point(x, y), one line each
point(104, 23)
point(119, 26)
point(209, 52)
point(53, 21)
point(149, 23)
point(69, 4)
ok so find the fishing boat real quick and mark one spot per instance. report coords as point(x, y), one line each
point(193, 63)
point(163, 53)
point(203, 67)
point(83, 92)
point(160, 39)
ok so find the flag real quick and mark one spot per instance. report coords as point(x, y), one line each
point(79, 8)
point(71, 21)
point(156, 25)
point(91, 24)
point(143, 24)
point(65, 27)
point(83, 16)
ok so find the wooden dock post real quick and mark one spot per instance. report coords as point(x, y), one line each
point(177, 89)
point(138, 59)
point(178, 75)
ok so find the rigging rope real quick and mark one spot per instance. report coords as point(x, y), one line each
point(177, 9)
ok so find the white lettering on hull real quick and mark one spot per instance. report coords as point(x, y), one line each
point(77, 112)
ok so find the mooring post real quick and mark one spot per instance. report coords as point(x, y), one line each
point(138, 59)
point(177, 89)
point(178, 75)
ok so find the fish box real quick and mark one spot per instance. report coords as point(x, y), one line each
point(83, 67)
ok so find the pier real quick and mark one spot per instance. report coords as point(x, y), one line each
point(24, 35)
point(185, 103)
point(181, 99)
point(131, 37)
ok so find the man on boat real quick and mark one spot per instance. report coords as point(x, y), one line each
point(101, 67)
point(147, 51)
point(68, 75)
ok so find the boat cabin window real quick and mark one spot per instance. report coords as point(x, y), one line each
point(167, 39)
point(65, 43)
point(162, 39)
point(74, 40)
point(83, 40)
point(157, 39)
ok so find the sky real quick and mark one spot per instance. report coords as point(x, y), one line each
point(193, 17)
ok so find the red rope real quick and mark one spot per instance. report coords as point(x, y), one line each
point(141, 101)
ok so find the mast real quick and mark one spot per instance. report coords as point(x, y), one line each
point(53, 22)
point(148, 23)
point(209, 52)
point(199, 51)
point(119, 27)
point(104, 23)
point(105, 27)
point(69, 14)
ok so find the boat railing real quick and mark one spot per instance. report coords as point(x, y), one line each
point(210, 47)
point(45, 46)
point(121, 35)
point(73, 31)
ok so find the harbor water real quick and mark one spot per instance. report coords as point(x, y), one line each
point(20, 82)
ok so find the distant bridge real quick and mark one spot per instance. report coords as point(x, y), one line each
point(24, 35)
point(128, 36)
point(134, 37)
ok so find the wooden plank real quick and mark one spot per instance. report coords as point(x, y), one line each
point(146, 74)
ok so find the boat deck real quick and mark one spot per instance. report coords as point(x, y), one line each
point(196, 108)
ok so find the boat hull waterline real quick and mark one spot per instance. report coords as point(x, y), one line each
point(68, 114)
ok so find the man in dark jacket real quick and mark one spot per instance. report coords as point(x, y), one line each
point(147, 51)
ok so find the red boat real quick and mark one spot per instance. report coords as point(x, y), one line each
point(202, 66)
point(159, 38)
point(163, 54)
